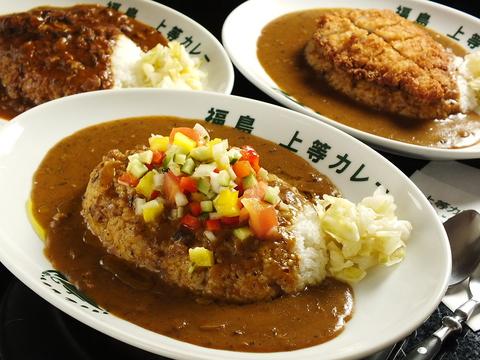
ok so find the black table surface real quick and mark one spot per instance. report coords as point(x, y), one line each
point(30, 328)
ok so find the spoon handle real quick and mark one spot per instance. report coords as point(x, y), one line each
point(429, 347)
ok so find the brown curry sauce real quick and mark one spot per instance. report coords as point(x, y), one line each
point(280, 51)
point(286, 323)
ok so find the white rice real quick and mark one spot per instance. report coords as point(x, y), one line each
point(125, 58)
point(468, 81)
point(310, 247)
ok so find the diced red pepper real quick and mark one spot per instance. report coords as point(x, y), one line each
point(251, 155)
point(242, 168)
point(213, 225)
point(195, 208)
point(170, 187)
point(154, 195)
point(157, 158)
point(188, 184)
point(192, 134)
point(128, 179)
point(191, 222)
point(229, 220)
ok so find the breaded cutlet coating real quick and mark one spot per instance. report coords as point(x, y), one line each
point(384, 61)
point(260, 271)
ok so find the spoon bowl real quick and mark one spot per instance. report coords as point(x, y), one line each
point(463, 232)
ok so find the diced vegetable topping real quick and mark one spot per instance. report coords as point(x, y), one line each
point(199, 256)
point(191, 222)
point(159, 143)
point(128, 179)
point(136, 168)
point(188, 184)
point(184, 142)
point(242, 233)
point(152, 210)
point(226, 203)
point(146, 185)
point(206, 206)
point(213, 225)
point(263, 218)
point(170, 187)
point(190, 133)
point(204, 183)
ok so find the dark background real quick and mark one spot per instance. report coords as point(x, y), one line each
point(32, 329)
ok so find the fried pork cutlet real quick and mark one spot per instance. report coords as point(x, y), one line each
point(386, 62)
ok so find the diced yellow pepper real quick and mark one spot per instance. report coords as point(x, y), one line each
point(226, 203)
point(214, 142)
point(35, 224)
point(159, 143)
point(146, 185)
point(200, 256)
point(184, 142)
point(151, 210)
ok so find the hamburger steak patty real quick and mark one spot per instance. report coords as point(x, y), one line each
point(384, 61)
point(244, 271)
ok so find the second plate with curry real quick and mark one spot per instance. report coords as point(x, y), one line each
point(270, 53)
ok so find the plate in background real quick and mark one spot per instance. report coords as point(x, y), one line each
point(240, 40)
point(197, 40)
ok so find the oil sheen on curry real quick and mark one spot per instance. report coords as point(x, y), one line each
point(371, 70)
point(194, 235)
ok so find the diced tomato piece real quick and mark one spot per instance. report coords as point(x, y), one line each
point(128, 179)
point(213, 225)
point(157, 158)
point(216, 170)
point(188, 184)
point(192, 134)
point(257, 192)
point(195, 208)
point(242, 168)
point(191, 222)
point(170, 187)
point(229, 220)
point(243, 217)
point(250, 154)
point(154, 195)
point(263, 217)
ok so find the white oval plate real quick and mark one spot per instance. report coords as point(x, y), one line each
point(241, 44)
point(197, 40)
point(390, 302)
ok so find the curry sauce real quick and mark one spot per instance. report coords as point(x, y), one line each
point(280, 50)
point(286, 323)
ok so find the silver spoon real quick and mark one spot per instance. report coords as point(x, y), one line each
point(464, 234)
point(463, 231)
